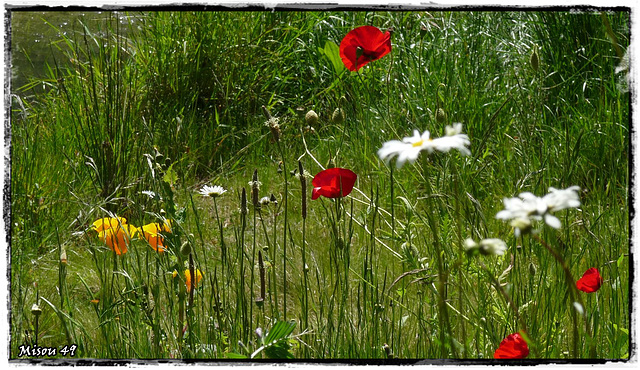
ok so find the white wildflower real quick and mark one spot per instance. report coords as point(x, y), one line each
point(530, 207)
point(409, 148)
point(212, 191)
point(486, 246)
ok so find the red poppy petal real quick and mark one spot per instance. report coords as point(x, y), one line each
point(372, 42)
point(329, 182)
point(512, 347)
point(590, 282)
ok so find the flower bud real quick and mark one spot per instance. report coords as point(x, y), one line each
point(338, 116)
point(532, 269)
point(423, 30)
point(311, 117)
point(63, 256)
point(36, 310)
point(185, 249)
point(534, 59)
point(388, 351)
point(441, 115)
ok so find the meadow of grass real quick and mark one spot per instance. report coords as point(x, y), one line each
point(137, 113)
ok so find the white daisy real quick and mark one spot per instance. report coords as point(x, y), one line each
point(530, 207)
point(487, 246)
point(212, 191)
point(409, 148)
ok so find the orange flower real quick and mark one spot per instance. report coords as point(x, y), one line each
point(118, 238)
point(152, 233)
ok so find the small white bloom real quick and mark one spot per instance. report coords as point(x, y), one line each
point(212, 191)
point(493, 246)
point(149, 193)
point(409, 148)
point(264, 201)
point(453, 130)
point(559, 199)
point(470, 244)
point(487, 246)
point(530, 207)
point(578, 307)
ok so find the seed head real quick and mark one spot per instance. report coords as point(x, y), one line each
point(255, 188)
point(243, 202)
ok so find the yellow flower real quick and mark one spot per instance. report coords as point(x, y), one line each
point(118, 238)
point(108, 223)
point(187, 275)
point(152, 233)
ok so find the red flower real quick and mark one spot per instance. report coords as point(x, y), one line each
point(329, 182)
point(512, 347)
point(362, 45)
point(591, 281)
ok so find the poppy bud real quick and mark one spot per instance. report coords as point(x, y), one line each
point(338, 116)
point(441, 115)
point(36, 310)
point(532, 269)
point(311, 117)
point(534, 59)
point(63, 256)
point(185, 249)
point(388, 350)
point(423, 30)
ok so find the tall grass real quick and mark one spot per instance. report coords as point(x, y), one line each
point(175, 102)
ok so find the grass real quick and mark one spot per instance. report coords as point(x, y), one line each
point(170, 101)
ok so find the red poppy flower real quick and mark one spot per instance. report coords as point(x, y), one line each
point(363, 45)
point(331, 181)
point(591, 281)
point(512, 347)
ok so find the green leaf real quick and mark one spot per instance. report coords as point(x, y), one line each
point(279, 331)
point(234, 355)
point(275, 343)
point(170, 176)
point(332, 51)
point(620, 259)
point(279, 350)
